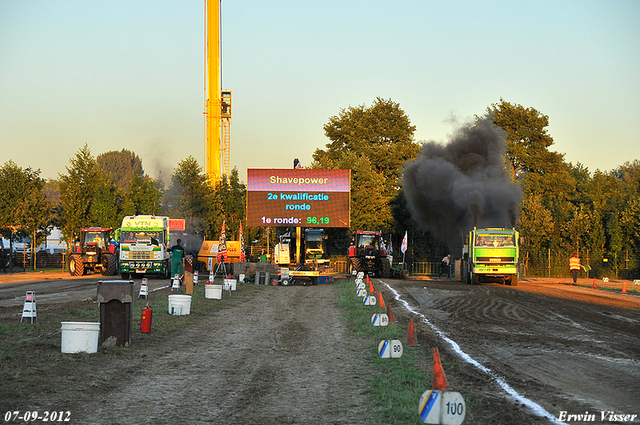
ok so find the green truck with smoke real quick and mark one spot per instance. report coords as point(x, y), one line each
point(493, 255)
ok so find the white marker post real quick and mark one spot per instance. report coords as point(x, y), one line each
point(144, 289)
point(370, 300)
point(29, 309)
point(390, 349)
point(195, 277)
point(379, 319)
point(442, 407)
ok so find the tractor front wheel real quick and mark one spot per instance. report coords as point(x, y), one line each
point(355, 265)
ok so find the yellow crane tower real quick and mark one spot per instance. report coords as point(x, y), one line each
point(218, 103)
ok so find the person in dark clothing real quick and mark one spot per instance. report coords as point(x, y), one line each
point(177, 259)
point(4, 255)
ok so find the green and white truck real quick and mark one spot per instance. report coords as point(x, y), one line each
point(493, 255)
point(144, 240)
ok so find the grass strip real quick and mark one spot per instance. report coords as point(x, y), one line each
point(395, 385)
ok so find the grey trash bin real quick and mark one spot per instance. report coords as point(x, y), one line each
point(116, 310)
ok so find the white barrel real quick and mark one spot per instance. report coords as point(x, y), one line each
point(213, 292)
point(80, 337)
point(230, 284)
point(179, 304)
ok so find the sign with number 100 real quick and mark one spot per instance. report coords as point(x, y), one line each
point(442, 407)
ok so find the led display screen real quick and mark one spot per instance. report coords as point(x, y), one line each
point(298, 197)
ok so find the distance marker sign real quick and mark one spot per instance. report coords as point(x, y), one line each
point(298, 197)
point(442, 407)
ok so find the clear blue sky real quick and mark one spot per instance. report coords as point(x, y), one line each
point(130, 74)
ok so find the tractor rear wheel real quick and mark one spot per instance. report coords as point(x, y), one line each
point(385, 268)
point(109, 266)
point(76, 266)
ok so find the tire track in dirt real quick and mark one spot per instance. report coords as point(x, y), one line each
point(563, 348)
point(281, 357)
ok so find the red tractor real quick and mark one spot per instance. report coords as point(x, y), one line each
point(368, 254)
point(93, 250)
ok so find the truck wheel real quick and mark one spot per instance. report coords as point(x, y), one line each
point(76, 266)
point(475, 280)
point(354, 265)
point(385, 268)
point(514, 280)
point(124, 276)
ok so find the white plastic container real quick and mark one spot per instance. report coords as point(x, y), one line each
point(213, 292)
point(179, 304)
point(79, 337)
point(230, 284)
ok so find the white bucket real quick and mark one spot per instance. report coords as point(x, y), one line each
point(230, 284)
point(80, 337)
point(213, 291)
point(179, 304)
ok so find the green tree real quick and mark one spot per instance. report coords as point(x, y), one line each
point(190, 196)
point(121, 167)
point(547, 181)
point(77, 191)
point(144, 196)
point(374, 142)
point(24, 208)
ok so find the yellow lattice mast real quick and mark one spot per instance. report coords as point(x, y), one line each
point(218, 104)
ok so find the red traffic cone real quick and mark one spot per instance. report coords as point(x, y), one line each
point(594, 286)
point(439, 379)
point(380, 300)
point(624, 287)
point(412, 338)
point(390, 314)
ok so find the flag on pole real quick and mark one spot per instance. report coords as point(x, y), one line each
point(243, 258)
point(403, 247)
point(222, 246)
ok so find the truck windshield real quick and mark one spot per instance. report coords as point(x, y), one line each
point(494, 240)
point(142, 237)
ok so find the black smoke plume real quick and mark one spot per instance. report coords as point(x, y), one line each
point(452, 188)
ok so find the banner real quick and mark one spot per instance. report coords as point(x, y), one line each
point(243, 257)
point(222, 246)
point(403, 247)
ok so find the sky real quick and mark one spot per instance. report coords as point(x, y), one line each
point(130, 75)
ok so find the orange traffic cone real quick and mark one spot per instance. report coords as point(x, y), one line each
point(439, 379)
point(595, 286)
point(412, 338)
point(370, 285)
point(624, 287)
point(390, 314)
point(380, 300)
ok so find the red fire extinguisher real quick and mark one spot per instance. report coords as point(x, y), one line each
point(145, 322)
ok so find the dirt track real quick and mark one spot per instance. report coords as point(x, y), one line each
point(285, 356)
point(566, 348)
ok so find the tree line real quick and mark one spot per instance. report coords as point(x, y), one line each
point(564, 207)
